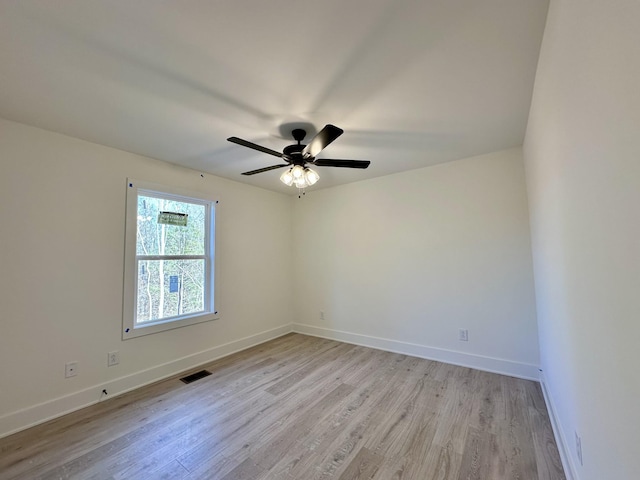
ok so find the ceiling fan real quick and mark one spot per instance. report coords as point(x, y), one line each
point(297, 156)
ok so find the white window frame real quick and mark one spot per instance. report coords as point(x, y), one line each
point(130, 327)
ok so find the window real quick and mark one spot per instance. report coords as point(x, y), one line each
point(169, 259)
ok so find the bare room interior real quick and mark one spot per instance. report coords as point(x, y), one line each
point(449, 290)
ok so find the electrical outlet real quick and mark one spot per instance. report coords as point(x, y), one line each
point(321, 315)
point(113, 358)
point(70, 369)
point(463, 335)
point(578, 447)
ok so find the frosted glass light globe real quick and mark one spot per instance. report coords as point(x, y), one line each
point(311, 176)
point(297, 171)
point(287, 178)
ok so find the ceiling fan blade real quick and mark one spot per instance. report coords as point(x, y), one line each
point(324, 137)
point(328, 162)
point(265, 169)
point(260, 148)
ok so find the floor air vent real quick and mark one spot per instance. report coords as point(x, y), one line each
point(195, 376)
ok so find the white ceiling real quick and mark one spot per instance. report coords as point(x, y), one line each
point(412, 82)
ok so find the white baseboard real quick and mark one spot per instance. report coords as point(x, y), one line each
point(479, 362)
point(40, 413)
point(563, 446)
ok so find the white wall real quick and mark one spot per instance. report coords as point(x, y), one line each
point(582, 154)
point(402, 262)
point(62, 207)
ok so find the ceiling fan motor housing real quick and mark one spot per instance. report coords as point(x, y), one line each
point(293, 153)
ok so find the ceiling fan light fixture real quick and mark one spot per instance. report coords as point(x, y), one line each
point(299, 176)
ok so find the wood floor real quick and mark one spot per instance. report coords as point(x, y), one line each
point(305, 408)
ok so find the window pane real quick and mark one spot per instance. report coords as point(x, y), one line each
point(168, 288)
point(154, 238)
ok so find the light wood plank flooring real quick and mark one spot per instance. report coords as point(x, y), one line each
point(306, 408)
